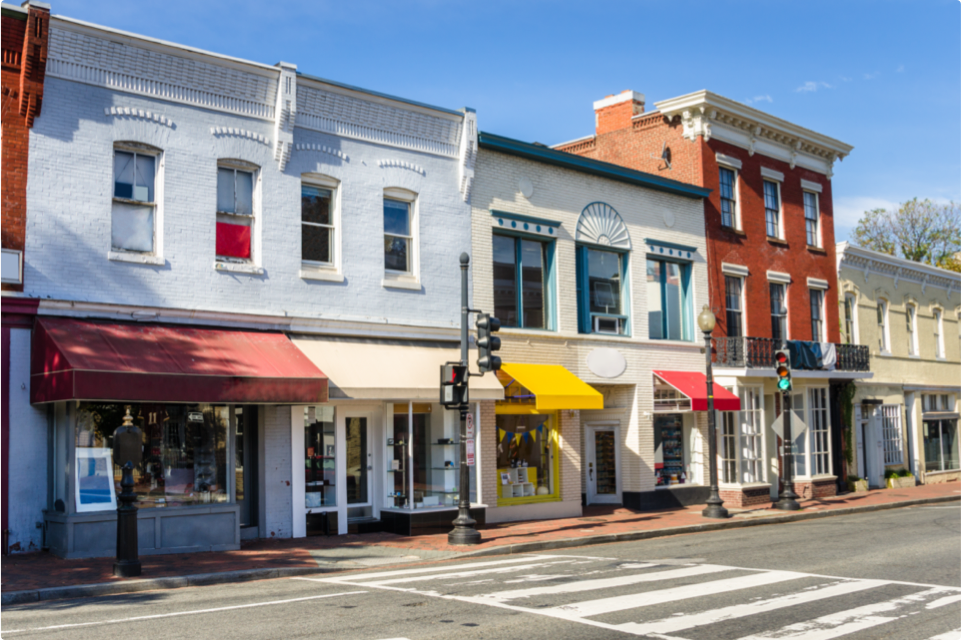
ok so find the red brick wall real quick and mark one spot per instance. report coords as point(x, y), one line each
point(24, 46)
point(742, 498)
point(639, 146)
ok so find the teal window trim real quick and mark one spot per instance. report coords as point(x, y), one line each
point(670, 250)
point(515, 222)
point(687, 319)
point(585, 315)
point(550, 304)
point(523, 218)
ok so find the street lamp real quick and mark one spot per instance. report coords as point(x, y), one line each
point(714, 508)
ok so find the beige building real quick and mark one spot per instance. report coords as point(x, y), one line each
point(907, 416)
point(601, 270)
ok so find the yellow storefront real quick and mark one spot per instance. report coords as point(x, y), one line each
point(537, 442)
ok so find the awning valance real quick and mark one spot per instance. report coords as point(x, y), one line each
point(369, 369)
point(554, 387)
point(87, 360)
point(694, 385)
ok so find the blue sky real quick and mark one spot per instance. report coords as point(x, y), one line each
point(883, 76)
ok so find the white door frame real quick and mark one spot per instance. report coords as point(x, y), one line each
point(373, 432)
point(591, 463)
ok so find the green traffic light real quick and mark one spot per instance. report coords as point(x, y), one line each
point(784, 384)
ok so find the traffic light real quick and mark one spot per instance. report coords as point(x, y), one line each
point(783, 369)
point(454, 385)
point(488, 324)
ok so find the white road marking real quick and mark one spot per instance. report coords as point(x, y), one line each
point(443, 576)
point(845, 622)
point(604, 583)
point(688, 621)
point(941, 602)
point(649, 598)
point(533, 577)
point(183, 613)
point(955, 634)
point(403, 572)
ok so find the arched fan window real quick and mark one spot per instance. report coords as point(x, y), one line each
point(603, 246)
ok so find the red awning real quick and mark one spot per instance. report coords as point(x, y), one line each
point(694, 385)
point(85, 360)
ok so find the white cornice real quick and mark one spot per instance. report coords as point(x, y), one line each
point(707, 114)
point(869, 262)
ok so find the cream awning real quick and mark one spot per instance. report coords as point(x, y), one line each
point(362, 369)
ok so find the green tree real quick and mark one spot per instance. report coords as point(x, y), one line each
point(918, 230)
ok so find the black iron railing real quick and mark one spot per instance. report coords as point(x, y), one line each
point(759, 353)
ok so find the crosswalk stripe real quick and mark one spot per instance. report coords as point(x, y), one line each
point(386, 574)
point(649, 598)
point(955, 634)
point(941, 602)
point(845, 622)
point(688, 621)
point(604, 583)
point(465, 574)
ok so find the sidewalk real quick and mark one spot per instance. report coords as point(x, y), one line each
point(25, 576)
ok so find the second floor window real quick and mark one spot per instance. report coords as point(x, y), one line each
point(601, 291)
point(772, 210)
point(939, 343)
point(848, 320)
point(132, 223)
point(910, 326)
point(882, 313)
point(317, 225)
point(733, 305)
point(397, 235)
point(521, 282)
point(235, 212)
point(817, 299)
point(812, 237)
point(669, 305)
point(776, 292)
point(726, 179)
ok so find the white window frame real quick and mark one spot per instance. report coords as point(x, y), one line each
point(328, 271)
point(155, 255)
point(231, 263)
point(885, 344)
point(741, 439)
point(741, 301)
point(847, 299)
point(937, 315)
point(404, 279)
point(821, 311)
point(912, 328)
point(780, 223)
point(818, 218)
point(734, 165)
point(819, 440)
point(891, 415)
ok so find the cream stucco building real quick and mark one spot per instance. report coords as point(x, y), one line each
point(907, 415)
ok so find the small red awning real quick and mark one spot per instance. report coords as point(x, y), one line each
point(694, 385)
point(86, 360)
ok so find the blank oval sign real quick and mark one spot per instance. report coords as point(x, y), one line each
point(606, 363)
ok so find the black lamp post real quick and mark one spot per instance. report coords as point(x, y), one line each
point(713, 508)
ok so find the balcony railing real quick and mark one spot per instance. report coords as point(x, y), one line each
point(759, 353)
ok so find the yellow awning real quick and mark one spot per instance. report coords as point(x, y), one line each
point(554, 387)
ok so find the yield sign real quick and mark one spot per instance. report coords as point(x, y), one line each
point(798, 426)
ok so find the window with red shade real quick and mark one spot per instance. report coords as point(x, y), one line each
point(235, 210)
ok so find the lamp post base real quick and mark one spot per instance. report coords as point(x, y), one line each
point(787, 501)
point(127, 568)
point(464, 532)
point(714, 509)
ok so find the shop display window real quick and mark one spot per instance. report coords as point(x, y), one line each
point(185, 455)
point(319, 458)
point(941, 445)
point(527, 458)
point(424, 457)
point(670, 466)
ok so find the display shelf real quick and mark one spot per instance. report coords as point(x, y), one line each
point(444, 444)
point(445, 468)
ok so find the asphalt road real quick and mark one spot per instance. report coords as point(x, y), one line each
point(889, 574)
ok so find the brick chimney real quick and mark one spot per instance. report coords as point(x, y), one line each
point(615, 112)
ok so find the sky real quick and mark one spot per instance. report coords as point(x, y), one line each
point(881, 75)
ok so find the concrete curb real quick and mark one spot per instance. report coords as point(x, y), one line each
point(570, 543)
point(245, 575)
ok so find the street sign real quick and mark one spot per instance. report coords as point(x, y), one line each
point(469, 439)
point(469, 426)
point(469, 452)
point(798, 426)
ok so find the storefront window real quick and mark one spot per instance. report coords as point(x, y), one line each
point(941, 443)
point(670, 468)
point(430, 477)
point(527, 458)
point(185, 456)
point(320, 488)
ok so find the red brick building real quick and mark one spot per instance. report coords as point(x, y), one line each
point(772, 268)
point(23, 39)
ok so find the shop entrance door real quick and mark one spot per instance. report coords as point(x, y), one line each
point(872, 451)
point(603, 481)
point(359, 465)
point(245, 468)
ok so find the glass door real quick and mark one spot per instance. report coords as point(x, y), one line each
point(359, 465)
point(603, 465)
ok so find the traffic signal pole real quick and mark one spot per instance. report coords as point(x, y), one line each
point(787, 498)
point(464, 532)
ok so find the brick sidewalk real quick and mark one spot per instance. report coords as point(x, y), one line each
point(43, 570)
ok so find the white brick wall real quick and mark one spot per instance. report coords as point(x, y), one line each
point(561, 195)
point(277, 472)
point(28, 451)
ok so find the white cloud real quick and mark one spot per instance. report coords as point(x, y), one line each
point(848, 211)
point(846, 79)
point(812, 86)
point(872, 76)
point(900, 68)
point(764, 98)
